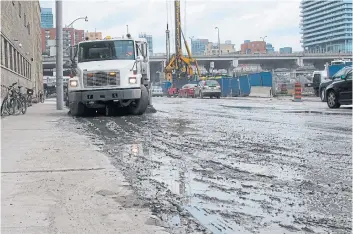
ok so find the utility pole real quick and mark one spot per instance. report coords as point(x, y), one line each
point(59, 55)
point(167, 38)
point(219, 43)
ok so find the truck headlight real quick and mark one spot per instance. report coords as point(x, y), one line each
point(132, 80)
point(73, 83)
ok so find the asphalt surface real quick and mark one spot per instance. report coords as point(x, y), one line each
point(235, 165)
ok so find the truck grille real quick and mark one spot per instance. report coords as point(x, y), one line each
point(101, 79)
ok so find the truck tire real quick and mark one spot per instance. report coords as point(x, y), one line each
point(140, 105)
point(77, 109)
point(317, 93)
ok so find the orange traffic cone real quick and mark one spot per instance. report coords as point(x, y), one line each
point(297, 92)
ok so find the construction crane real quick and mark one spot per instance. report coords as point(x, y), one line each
point(178, 64)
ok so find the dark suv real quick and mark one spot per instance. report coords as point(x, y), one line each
point(340, 91)
point(335, 77)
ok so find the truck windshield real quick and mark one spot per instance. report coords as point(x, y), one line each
point(106, 50)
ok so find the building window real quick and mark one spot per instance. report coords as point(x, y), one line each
point(29, 29)
point(15, 61)
point(19, 10)
point(24, 19)
point(22, 66)
point(19, 63)
point(2, 51)
point(13, 3)
point(11, 57)
point(6, 55)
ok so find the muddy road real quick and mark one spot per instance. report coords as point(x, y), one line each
point(234, 166)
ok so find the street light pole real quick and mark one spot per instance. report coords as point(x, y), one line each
point(59, 55)
point(263, 38)
point(219, 42)
point(71, 25)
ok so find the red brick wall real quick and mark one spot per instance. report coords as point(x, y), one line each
point(254, 46)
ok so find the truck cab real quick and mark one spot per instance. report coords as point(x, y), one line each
point(318, 78)
point(109, 74)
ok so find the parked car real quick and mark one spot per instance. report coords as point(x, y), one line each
point(340, 91)
point(208, 88)
point(157, 91)
point(337, 76)
point(173, 92)
point(187, 90)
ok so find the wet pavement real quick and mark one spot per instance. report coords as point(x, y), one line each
point(235, 165)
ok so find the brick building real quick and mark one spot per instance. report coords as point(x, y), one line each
point(68, 38)
point(94, 35)
point(251, 47)
point(21, 51)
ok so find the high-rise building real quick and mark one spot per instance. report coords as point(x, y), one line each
point(199, 46)
point(285, 50)
point(269, 48)
point(149, 41)
point(326, 25)
point(46, 17)
point(94, 35)
point(49, 34)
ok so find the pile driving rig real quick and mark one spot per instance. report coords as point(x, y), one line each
point(178, 66)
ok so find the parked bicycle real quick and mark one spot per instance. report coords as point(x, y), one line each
point(8, 104)
point(21, 101)
point(14, 102)
point(29, 96)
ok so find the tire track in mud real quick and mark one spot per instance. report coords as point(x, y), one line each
point(231, 179)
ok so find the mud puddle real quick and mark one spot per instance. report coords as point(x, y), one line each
point(205, 172)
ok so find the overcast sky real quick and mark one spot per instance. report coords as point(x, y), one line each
point(238, 20)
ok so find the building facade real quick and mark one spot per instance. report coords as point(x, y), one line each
point(199, 46)
point(326, 26)
point(149, 39)
point(49, 34)
point(46, 17)
point(212, 48)
point(94, 35)
point(251, 47)
point(21, 52)
point(285, 50)
point(269, 48)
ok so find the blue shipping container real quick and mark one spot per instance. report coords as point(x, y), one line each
point(244, 83)
point(235, 92)
point(255, 79)
point(225, 84)
point(266, 78)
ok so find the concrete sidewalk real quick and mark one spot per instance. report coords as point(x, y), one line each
point(54, 181)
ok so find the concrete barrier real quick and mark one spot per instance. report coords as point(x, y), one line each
point(260, 91)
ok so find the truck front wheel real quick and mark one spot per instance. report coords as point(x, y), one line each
point(139, 106)
point(77, 109)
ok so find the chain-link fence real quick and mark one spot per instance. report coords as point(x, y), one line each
point(284, 81)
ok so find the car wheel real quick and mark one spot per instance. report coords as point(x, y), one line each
point(219, 96)
point(322, 95)
point(332, 99)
